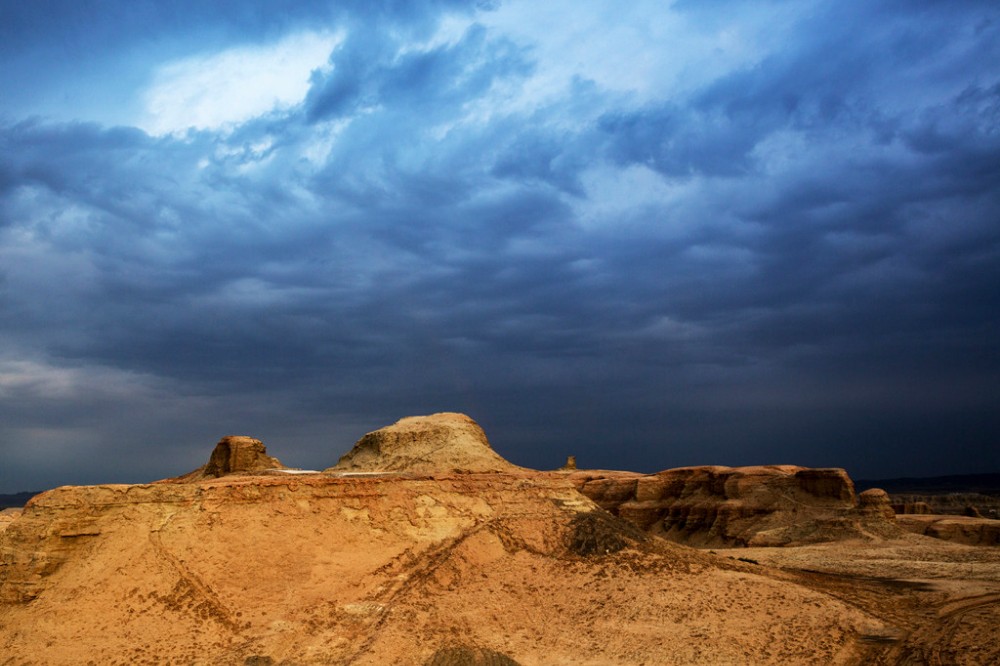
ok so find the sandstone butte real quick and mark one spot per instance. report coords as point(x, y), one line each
point(424, 546)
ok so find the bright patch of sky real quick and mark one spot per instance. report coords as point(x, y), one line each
point(219, 90)
point(643, 48)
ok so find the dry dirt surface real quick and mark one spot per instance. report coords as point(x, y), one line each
point(940, 601)
point(396, 569)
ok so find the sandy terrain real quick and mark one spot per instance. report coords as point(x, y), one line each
point(941, 599)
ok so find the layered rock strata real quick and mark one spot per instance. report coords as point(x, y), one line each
point(971, 531)
point(774, 505)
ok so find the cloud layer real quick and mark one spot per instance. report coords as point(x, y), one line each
point(688, 234)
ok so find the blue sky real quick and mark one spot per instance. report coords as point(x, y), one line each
point(650, 235)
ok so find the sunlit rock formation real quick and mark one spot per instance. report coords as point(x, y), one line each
point(771, 505)
point(419, 565)
point(234, 454)
point(445, 442)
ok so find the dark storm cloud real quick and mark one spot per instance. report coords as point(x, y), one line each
point(838, 220)
point(25, 25)
point(838, 72)
point(796, 260)
point(849, 285)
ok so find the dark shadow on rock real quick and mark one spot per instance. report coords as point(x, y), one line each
point(463, 655)
point(600, 533)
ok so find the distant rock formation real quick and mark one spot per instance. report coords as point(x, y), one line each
point(445, 442)
point(955, 504)
point(905, 508)
point(972, 512)
point(774, 505)
point(874, 504)
point(960, 529)
point(234, 454)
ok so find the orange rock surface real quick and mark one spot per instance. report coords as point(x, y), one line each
point(445, 442)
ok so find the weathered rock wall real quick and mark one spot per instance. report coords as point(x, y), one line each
point(744, 506)
point(234, 454)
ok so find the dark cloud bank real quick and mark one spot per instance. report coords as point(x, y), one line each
point(796, 262)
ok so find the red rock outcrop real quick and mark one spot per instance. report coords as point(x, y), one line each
point(234, 454)
point(773, 505)
point(444, 442)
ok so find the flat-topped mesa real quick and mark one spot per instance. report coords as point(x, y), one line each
point(234, 454)
point(439, 443)
point(961, 529)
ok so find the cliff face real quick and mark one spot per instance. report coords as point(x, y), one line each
point(743, 506)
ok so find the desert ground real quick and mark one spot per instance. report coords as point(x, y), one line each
point(422, 546)
point(941, 599)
